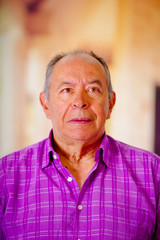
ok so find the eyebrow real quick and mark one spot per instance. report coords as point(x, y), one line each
point(71, 83)
point(65, 83)
point(95, 81)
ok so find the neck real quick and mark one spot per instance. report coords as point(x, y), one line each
point(77, 151)
point(77, 157)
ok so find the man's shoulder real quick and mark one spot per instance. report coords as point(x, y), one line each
point(131, 151)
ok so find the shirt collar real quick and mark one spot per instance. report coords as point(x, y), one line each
point(49, 151)
point(104, 148)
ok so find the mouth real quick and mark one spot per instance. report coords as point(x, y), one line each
point(80, 120)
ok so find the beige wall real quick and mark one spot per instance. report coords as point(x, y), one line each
point(137, 72)
point(125, 33)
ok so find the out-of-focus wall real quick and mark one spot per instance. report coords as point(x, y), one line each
point(136, 72)
point(125, 33)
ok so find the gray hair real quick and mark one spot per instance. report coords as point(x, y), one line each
point(58, 57)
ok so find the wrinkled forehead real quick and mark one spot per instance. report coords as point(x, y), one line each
point(78, 61)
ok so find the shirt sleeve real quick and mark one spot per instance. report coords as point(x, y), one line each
point(158, 224)
point(157, 234)
point(157, 185)
point(1, 200)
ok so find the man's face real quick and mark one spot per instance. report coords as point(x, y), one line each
point(78, 103)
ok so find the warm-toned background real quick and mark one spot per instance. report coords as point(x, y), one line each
point(125, 32)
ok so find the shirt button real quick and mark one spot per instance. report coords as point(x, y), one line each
point(80, 207)
point(69, 179)
point(54, 156)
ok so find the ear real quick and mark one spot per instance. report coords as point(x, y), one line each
point(45, 104)
point(112, 102)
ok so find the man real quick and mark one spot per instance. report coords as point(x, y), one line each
point(79, 183)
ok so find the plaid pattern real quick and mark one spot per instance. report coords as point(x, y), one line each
point(40, 199)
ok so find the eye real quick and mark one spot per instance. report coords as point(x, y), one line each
point(93, 90)
point(66, 90)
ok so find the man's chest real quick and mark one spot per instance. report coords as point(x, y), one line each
point(51, 205)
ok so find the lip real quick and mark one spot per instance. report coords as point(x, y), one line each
point(80, 120)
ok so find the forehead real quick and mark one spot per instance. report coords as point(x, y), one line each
point(78, 63)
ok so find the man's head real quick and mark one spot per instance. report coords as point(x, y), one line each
point(79, 97)
point(58, 57)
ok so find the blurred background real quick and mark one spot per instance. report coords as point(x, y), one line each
point(126, 33)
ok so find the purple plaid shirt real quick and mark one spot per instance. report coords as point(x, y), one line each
point(120, 199)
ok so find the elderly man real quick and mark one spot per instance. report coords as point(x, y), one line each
point(79, 183)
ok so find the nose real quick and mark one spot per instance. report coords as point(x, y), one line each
point(80, 101)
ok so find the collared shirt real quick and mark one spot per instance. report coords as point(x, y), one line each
point(120, 199)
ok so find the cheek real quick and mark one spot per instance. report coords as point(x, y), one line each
point(102, 110)
point(59, 111)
